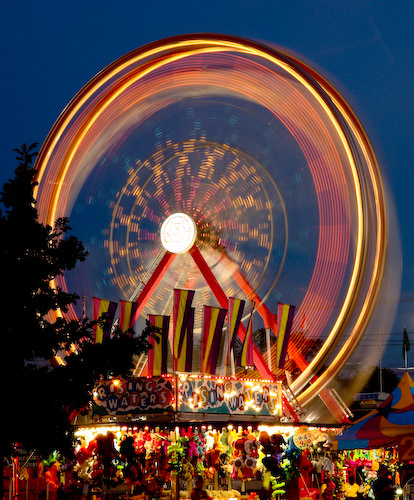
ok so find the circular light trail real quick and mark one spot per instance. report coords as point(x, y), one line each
point(263, 154)
point(178, 233)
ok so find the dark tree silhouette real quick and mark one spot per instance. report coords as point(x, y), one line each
point(37, 399)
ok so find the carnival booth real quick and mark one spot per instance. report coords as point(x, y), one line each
point(235, 460)
point(156, 459)
point(159, 460)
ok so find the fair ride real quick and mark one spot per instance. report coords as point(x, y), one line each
point(280, 184)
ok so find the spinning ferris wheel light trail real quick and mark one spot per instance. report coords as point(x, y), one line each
point(264, 156)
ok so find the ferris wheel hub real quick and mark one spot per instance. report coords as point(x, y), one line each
point(178, 233)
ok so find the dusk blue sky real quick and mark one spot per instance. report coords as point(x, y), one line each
point(50, 49)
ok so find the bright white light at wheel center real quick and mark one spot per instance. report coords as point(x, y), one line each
point(178, 233)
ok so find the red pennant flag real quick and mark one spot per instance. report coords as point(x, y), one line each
point(157, 356)
point(210, 341)
point(127, 316)
point(236, 307)
point(183, 323)
point(100, 307)
point(285, 314)
point(246, 357)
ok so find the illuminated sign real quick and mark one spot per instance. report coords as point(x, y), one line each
point(132, 396)
point(235, 397)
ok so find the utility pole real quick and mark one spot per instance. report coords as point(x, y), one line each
point(380, 360)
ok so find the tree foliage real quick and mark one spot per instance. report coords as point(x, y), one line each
point(37, 398)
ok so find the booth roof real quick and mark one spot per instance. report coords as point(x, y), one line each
point(391, 423)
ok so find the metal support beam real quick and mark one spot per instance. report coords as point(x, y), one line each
point(154, 281)
point(267, 316)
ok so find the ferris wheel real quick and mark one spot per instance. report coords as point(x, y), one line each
point(265, 158)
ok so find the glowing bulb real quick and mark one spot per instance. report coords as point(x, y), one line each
point(178, 233)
